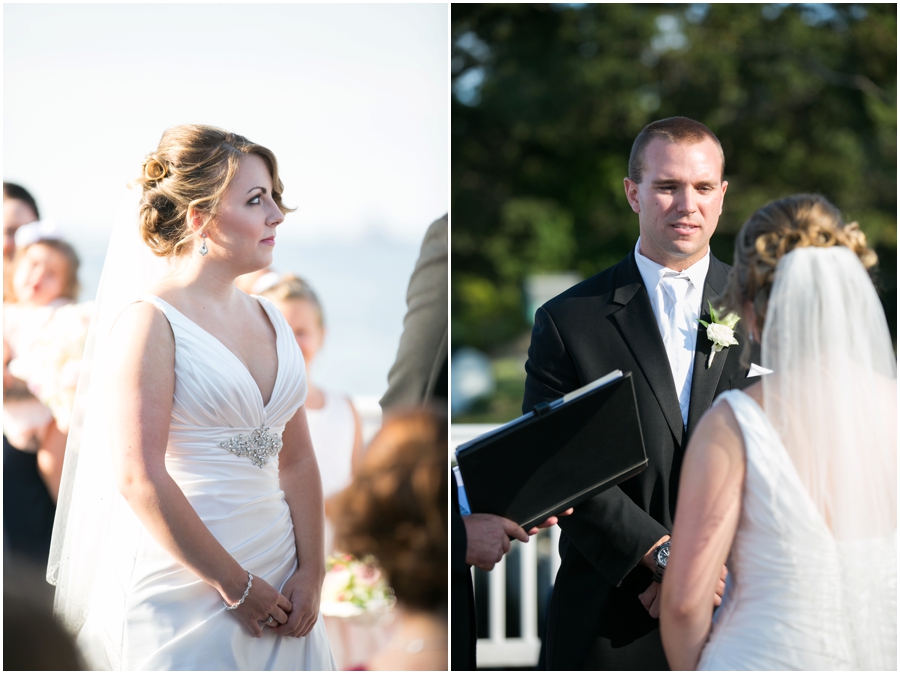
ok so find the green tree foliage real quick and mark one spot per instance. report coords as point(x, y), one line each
point(548, 99)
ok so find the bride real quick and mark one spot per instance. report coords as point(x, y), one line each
point(794, 480)
point(190, 528)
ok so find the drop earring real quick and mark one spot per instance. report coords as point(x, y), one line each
point(203, 249)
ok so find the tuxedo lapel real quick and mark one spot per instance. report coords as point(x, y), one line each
point(705, 381)
point(640, 331)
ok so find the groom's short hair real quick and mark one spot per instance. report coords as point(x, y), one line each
point(673, 130)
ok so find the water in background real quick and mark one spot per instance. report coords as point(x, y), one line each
point(362, 287)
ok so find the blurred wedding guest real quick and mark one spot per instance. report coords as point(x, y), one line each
point(19, 208)
point(33, 640)
point(419, 373)
point(43, 337)
point(396, 510)
point(333, 422)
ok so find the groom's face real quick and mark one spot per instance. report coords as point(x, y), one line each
point(678, 201)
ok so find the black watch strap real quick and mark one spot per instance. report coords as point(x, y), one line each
point(661, 551)
point(658, 574)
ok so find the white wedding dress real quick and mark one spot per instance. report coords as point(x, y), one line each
point(146, 611)
point(785, 605)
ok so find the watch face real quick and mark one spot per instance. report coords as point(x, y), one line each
point(662, 557)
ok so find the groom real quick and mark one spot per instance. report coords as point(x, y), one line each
point(641, 315)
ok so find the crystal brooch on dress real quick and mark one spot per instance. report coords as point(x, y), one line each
point(259, 446)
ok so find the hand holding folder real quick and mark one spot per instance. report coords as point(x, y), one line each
point(561, 454)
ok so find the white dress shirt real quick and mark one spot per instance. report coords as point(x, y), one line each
point(677, 319)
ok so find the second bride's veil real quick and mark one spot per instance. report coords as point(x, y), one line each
point(87, 491)
point(833, 400)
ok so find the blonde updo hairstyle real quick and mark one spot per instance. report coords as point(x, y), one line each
point(190, 170)
point(773, 231)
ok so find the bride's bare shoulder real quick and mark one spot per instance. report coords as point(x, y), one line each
point(717, 432)
point(142, 324)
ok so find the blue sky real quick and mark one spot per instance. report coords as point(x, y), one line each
point(353, 100)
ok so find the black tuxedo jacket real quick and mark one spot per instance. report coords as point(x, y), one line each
point(602, 324)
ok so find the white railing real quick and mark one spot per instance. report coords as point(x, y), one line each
point(369, 412)
point(497, 650)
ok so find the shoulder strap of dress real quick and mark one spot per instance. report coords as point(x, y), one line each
point(741, 404)
point(279, 322)
point(753, 422)
point(167, 310)
point(154, 300)
point(157, 302)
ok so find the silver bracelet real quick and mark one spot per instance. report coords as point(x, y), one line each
point(246, 592)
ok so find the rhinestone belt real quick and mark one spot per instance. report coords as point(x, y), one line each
point(259, 446)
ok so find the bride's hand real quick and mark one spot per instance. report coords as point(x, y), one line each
point(650, 599)
point(304, 590)
point(720, 586)
point(262, 601)
point(651, 596)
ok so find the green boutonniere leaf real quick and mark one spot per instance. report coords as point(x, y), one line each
point(731, 320)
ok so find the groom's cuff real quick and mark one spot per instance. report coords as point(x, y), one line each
point(617, 570)
point(648, 542)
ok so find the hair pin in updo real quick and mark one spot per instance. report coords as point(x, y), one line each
point(155, 169)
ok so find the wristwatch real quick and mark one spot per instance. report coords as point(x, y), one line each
point(662, 558)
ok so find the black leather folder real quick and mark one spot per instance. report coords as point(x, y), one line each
point(557, 456)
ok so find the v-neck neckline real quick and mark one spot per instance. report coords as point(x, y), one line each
point(233, 355)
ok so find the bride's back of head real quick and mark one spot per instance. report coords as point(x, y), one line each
point(190, 170)
point(776, 229)
point(832, 396)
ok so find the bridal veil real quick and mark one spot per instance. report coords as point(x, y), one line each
point(88, 490)
point(833, 401)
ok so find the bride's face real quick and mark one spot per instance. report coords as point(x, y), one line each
point(243, 231)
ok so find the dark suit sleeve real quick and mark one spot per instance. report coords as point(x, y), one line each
point(458, 538)
point(610, 530)
point(464, 636)
point(421, 363)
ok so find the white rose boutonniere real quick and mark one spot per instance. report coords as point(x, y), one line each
point(720, 331)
